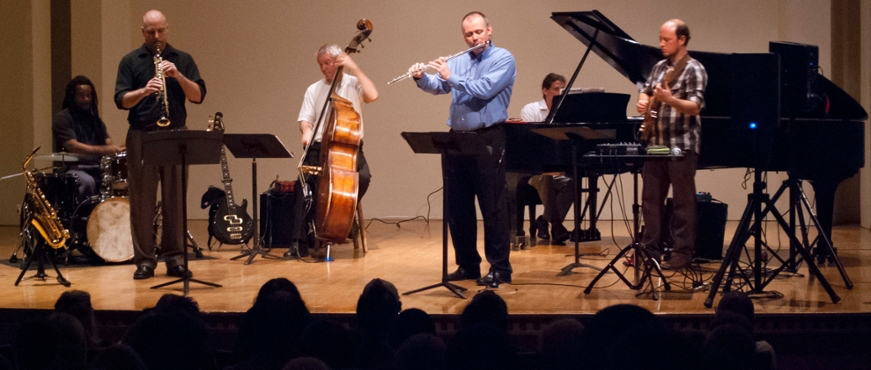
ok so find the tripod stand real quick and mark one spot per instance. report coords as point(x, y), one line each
point(640, 253)
point(32, 241)
point(798, 204)
point(751, 225)
point(183, 148)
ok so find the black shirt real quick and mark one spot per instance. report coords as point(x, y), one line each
point(134, 72)
point(75, 124)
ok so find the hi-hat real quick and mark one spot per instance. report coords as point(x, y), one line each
point(58, 157)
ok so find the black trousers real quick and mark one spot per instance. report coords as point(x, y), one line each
point(481, 177)
point(301, 219)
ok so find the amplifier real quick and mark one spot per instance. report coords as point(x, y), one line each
point(276, 216)
point(710, 227)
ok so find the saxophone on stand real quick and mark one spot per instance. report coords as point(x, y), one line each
point(44, 217)
point(163, 121)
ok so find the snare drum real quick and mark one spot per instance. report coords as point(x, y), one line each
point(105, 223)
point(115, 173)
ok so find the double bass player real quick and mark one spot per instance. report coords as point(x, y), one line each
point(357, 88)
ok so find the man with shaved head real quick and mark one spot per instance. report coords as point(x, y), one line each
point(480, 84)
point(137, 90)
point(677, 126)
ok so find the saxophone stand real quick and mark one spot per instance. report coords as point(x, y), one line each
point(641, 256)
point(183, 147)
point(255, 146)
point(445, 143)
point(39, 252)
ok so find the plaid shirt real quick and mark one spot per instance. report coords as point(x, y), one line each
point(673, 128)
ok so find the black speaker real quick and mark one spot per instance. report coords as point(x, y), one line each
point(276, 216)
point(755, 91)
point(710, 228)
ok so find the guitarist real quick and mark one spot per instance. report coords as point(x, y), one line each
point(357, 88)
point(674, 95)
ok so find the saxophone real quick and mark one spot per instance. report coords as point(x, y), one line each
point(163, 121)
point(44, 217)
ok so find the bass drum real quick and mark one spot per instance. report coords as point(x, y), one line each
point(106, 223)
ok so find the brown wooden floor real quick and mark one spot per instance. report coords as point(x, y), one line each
point(410, 257)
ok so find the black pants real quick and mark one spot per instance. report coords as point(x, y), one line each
point(301, 219)
point(481, 176)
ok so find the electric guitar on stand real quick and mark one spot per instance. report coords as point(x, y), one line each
point(231, 223)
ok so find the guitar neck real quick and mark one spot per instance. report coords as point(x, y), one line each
point(228, 182)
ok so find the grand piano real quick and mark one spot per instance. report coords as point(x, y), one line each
point(819, 137)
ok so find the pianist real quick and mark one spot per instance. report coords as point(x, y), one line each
point(677, 126)
point(553, 189)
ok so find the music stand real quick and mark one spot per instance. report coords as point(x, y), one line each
point(444, 143)
point(182, 147)
point(579, 136)
point(255, 146)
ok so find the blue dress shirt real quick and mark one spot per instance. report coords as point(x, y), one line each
point(480, 86)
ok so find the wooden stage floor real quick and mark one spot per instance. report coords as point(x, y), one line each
point(410, 257)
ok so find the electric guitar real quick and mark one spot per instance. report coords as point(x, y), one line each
point(231, 224)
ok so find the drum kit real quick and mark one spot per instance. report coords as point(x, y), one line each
point(99, 225)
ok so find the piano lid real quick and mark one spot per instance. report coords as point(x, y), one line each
point(609, 42)
point(635, 61)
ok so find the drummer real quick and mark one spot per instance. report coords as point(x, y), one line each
point(78, 129)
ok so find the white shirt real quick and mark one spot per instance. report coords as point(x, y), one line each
point(316, 95)
point(534, 112)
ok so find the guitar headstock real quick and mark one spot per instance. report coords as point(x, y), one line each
point(216, 123)
point(365, 29)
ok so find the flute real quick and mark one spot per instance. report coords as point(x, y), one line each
point(409, 74)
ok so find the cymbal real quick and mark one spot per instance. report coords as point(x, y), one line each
point(58, 157)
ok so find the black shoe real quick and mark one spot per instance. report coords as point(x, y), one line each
point(560, 234)
point(178, 271)
point(462, 274)
point(499, 277)
point(541, 226)
point(677, 261)
point(143, 272)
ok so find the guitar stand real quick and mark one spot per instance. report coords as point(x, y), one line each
point(641, 256)
point(40, 253)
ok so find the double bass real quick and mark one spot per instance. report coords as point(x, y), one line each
point(338, 179)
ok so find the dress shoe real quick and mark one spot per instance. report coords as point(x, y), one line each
point(143, 272)
point(560, 233)
point(179, 271)
point(499, 277)
point(677, 261)
point(462, 274)
point(541, 225)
